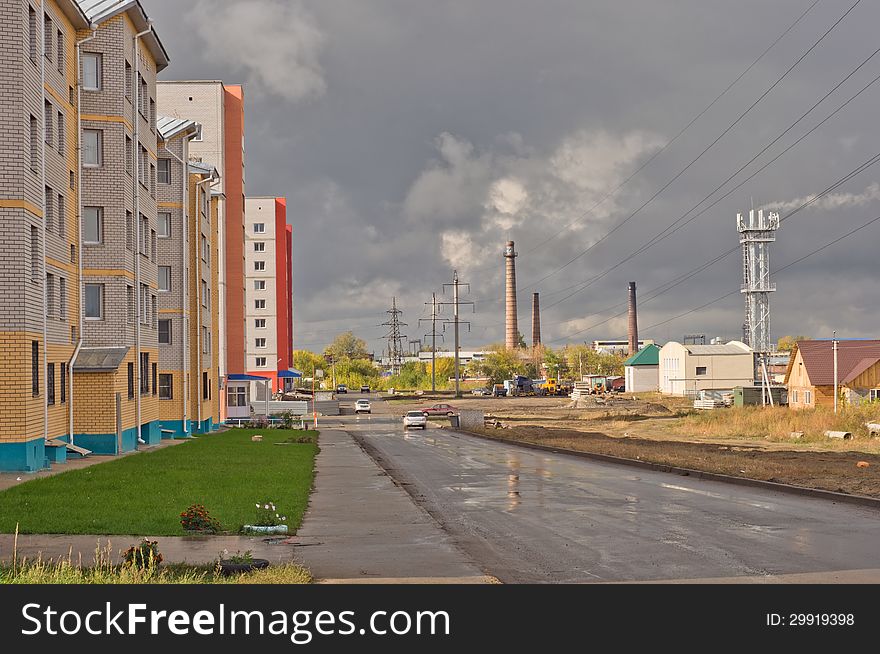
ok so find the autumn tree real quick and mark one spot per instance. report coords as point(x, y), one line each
point(786, 343)
point(347, 346)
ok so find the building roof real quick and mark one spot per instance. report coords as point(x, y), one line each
point(647, 356)
point(99, 359)
point(732, 347)
point(201, 168)
point(97, 11)
point(853, 358)
point(169, 127)
point(74, 13)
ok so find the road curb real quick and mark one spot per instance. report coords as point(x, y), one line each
point(860, 500)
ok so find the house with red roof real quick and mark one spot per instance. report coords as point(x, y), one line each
point(810, 373)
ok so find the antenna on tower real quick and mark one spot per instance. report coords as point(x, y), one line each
point(757, 231)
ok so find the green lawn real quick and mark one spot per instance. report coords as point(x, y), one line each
point(144, 494)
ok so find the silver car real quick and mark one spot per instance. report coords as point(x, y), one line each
point(415, 419)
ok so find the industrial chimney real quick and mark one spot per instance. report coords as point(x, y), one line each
point(536, 320)
point(511, 334)
point(633, 321)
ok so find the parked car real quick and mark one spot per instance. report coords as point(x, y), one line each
point(365, 389)
point(342, 388)
point(362, 406)
point(481, 391)
point(439, 410)
point(415, 419)
point(499, 391)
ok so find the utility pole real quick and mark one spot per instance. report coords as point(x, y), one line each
point(395, 338)
point(456, 304)
point(433, 335)
point(834, 348)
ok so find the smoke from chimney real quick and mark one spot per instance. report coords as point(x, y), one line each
point(536, 320)
point(633, 321)
point(511, 334)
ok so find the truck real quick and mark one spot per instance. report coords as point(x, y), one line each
point(519, 385)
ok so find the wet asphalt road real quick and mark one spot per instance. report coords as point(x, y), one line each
point(529, 516)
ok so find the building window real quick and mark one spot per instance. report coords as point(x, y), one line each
point(236, 396)
point(72, 253)
point(206, 387)
point(145, 373)
point(259, 304)
point(144, 304)
point(48, 33)
point(260, 343)
point(143, 235)
point(72, 181)
point(50, 295)
point(49, 211)
point(153, 246)
point(32, 32)
point(152, 180)
point(165, 332)
point(60, 52)
point(874, 394)
point(35, 143)
point(62, 298)
point(206, 340)
point(808, 397)
point(93, 225)
point(130, 380)
point(50, 383)
point(259, 284)
point(62, 218)
point(92, 154)
point(165, 381)
point(165, 278)
point(164, 224)
point(154, 315)
point(94, 301)
point(152, 114)
point(129, 297)
point(259, 228)
point(63, 383)
point(92, 64)
point(36, 256)
point(61, 133)
point(35, 368)
point(701, 370)
point(155, 378)
point(128, 80)
point(129, 155)
point(259, 266)
point(48, 120)
point(793, 397)
point(259, 246)
point(204, 294)
point(164, 171)
point(261, 362)
point(206, 250)
point(260, 323)
point(129, 231)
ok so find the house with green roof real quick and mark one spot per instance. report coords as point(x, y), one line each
point(642, 370)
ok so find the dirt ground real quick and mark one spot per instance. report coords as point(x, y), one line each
point(650, 430)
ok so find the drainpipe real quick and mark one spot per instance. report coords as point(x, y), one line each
point(136, 144)
point(79, 226)
point(201, 391)
point(43, 232)
point(185, 296)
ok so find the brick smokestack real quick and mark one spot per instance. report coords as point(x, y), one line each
point(536, 320)
point(633, 321)
point(511, 332)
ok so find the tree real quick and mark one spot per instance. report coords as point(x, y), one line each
point(499, 364)
point(786, 343)
point(306, 362)
point(347, 346)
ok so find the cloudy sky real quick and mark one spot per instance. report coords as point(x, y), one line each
point(412, 137)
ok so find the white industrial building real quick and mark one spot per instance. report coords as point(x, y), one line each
point(688, 369)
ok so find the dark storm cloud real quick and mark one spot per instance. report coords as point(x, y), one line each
point(414, 137)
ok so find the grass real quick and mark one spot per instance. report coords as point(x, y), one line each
point(777, 423)
point(102, 571)
point(144, 494)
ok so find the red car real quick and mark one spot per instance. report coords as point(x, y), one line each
point(439, 410)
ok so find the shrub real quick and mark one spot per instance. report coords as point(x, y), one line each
point(144, 555)
point(197, 518)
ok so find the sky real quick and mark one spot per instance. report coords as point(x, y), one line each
point(413, 138)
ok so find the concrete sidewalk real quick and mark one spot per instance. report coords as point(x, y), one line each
point(360, 526)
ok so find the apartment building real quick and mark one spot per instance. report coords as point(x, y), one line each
point(269, 308)
point(188, 285)
point(219, 109)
